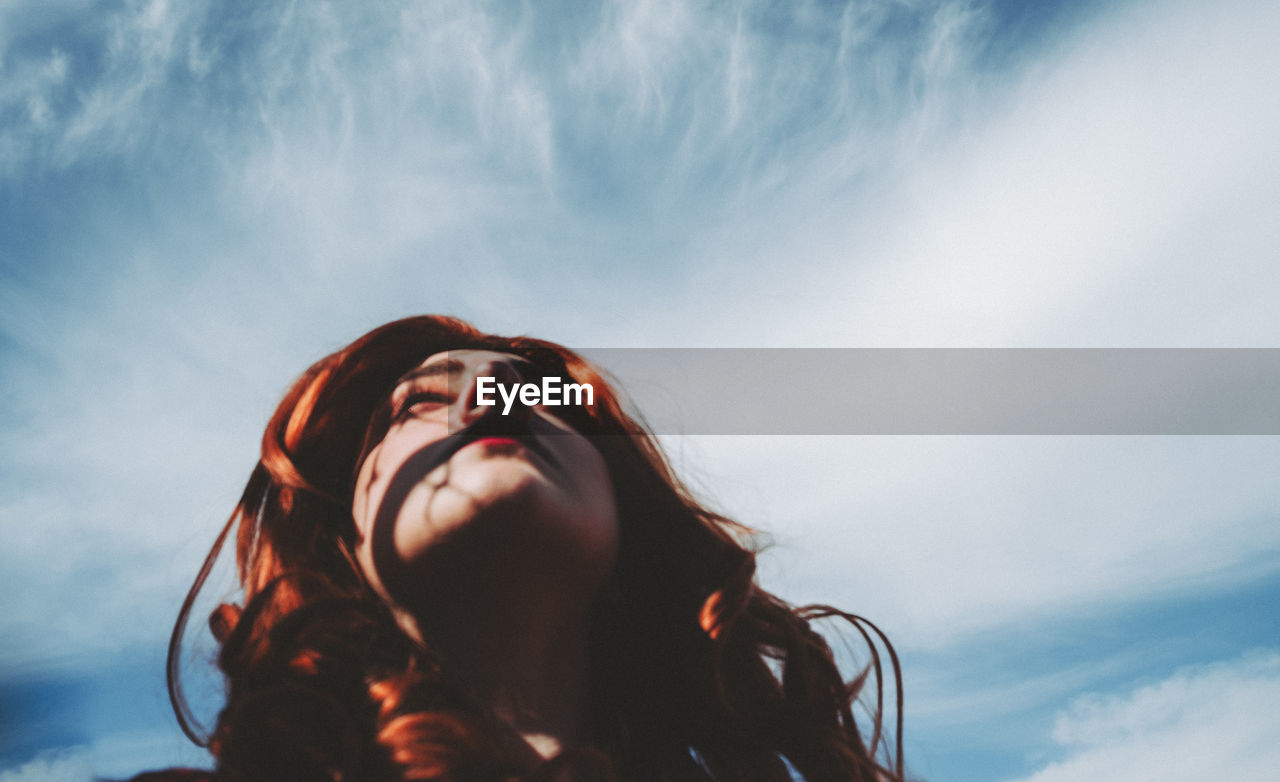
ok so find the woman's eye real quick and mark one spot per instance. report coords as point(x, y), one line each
point(419, 402)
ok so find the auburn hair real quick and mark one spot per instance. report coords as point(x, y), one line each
point(697, 673)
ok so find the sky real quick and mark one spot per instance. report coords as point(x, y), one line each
point(199, 199)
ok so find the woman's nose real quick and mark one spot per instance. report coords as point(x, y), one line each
point(504, 374)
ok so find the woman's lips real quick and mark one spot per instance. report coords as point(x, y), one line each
point(528, 442)
point(494, 440)
point(491, 430)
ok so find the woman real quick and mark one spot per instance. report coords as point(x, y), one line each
point(436, 588)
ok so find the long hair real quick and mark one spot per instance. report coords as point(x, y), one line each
point(696, 672)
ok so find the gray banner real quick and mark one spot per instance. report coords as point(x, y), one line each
point(949, 391)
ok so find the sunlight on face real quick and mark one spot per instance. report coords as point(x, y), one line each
point(456, 487)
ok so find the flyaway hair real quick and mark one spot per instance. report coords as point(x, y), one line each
point(696, 672)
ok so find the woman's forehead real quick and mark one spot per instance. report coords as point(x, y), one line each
point(453, 363)
point(462, 357)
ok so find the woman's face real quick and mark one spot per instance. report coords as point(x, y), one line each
point(455, 488)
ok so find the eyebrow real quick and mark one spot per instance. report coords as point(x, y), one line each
point(453, 366)
point(450, 366)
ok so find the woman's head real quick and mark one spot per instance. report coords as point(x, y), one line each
point(361, 421)
point(383, 484)
point(482, 503)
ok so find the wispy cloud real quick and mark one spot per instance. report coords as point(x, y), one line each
point(1112, 194)
point(113, 756)
point(1213, 721)
point(359, 161)
point(85, 79)
point(51, 765)
point(941, 537)
point(198, 201)
point(308, 170)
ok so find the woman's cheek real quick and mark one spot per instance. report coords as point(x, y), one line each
point(364, 495)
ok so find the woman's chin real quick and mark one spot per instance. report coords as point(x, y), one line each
point(498, 497)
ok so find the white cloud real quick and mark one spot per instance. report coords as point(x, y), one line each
point(114, 81)
point(1209, 722)
point(1118, 195)
point(110, 756)
point(644, 49)
point(1115, 195)
point(53, 766)
point(664, 175)
point(937, 538)
point(370, 163)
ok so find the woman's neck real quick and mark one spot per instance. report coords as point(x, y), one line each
point(525, 655)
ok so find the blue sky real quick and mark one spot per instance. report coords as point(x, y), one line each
point(197, 200)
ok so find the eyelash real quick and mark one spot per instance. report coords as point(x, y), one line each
point(405, 408)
